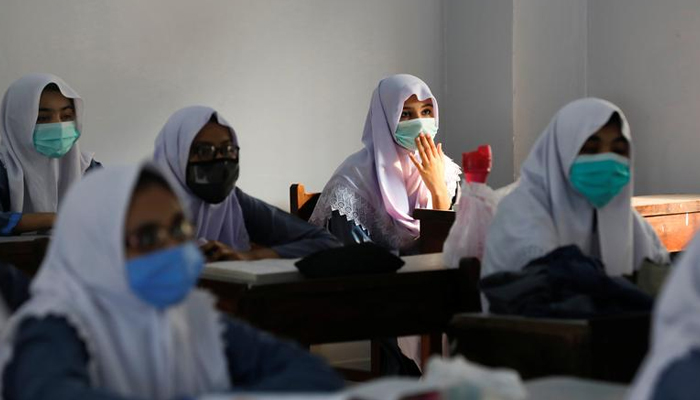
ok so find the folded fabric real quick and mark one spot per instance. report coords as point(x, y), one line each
point(563, 284)
point(359, 259)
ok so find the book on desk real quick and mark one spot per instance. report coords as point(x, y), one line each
point(257, 271)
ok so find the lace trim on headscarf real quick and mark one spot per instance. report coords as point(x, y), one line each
point(355, 208)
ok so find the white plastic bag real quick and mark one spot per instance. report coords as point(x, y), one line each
point(475, 210)
point(467, 237)
point(494, 383)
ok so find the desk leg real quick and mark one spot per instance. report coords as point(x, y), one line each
point(430, 345)
point(375, 358)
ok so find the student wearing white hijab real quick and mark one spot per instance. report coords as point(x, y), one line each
point(199, 149)
point(114, 313)
point(575, 188)
point(41, 120)
point(672, 366)
point(372, 195)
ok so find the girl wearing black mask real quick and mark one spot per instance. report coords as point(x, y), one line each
point(200, 150)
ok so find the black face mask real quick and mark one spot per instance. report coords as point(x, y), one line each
point(212, 181)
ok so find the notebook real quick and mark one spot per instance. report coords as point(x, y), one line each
point(258, 271)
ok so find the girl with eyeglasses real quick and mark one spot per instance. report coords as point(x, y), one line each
point(114, 312)
point(200, 151)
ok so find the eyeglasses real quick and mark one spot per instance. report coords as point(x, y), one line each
point(151, 236)
point(208, 152)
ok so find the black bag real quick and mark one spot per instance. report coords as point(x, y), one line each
point(563, 284)
point(356, 259)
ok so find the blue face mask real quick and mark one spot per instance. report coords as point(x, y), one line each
point(408, 131)
point(600, 177)
point(55, 140)
point(163, 278)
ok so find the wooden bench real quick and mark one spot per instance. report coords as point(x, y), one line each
point(609, 349)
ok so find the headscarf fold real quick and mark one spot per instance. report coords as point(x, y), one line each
point(37, 183)
point(135, 350)
point(378, 187)
point(545, 212)
point(222, 222)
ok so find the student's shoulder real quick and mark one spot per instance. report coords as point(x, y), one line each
point(51, 326)
point(244, 197)
point(678, 380)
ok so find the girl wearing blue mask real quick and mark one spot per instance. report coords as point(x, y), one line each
point(372, 195)
point(575, 188)
point(115, 309)
point(41, 122)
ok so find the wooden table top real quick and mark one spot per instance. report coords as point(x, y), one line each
point(289, 273)
point(652, 205)
point(666, 204)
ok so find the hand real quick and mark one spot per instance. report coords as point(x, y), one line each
point(32, 222)
point(217, 251)
point(432, 170)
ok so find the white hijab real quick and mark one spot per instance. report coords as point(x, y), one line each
point(379, 187)
point(37, 183)
point(676, 329)
point(545, 212)
point(135, 350)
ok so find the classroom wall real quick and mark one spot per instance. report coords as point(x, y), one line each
point(500, 69)
point(549, 65)
point(509, 66)
point(644, 55)
point(294, 77)
point(477, 105)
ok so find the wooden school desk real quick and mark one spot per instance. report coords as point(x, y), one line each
point(24, 252)
point(604, 348)
point(419, 299)
point(675, 218)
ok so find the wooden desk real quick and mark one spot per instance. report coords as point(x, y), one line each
point(419, 299)
point(609, 349)
point(24, 252)
point(434, 227)
point(675, 218)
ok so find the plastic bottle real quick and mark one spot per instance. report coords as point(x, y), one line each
point(477, 164)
